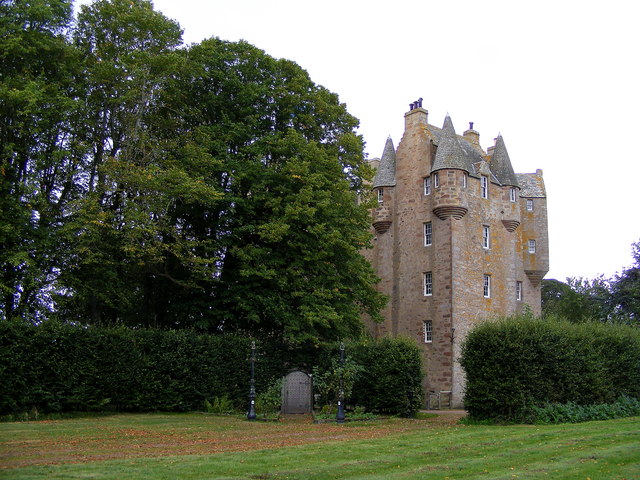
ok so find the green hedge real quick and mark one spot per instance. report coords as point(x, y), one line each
point(54, 368)
point(61, 368)
point(392, 379)
point(514, 364)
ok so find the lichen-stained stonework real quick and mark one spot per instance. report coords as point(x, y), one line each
point(482, 254)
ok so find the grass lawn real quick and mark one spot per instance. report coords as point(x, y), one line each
point(196, 446)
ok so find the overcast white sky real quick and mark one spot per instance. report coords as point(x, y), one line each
point(558, 79)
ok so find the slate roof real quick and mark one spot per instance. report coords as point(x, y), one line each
point(531, 185)
point(453, 151)
point(386, 172)
point(500, 164)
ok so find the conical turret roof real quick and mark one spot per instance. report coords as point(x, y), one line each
point(386, 173)
point(450, 153)
point(500, 164)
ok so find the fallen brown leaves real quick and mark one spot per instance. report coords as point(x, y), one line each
point(106, 442)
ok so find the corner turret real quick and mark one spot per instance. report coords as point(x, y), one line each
point(383, 184)
point(449, 171)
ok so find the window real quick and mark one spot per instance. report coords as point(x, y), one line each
point(529, 205)
point(428, 284)
point(512, 194)
point(519, 291)
point(486, 236)
point(427, 186)
point(484, 187)
point(380, 195)
point(464, 180)
point(427, 330)
point(436, 180)
point(532, 246)
point(428, 234)
point(487, 286)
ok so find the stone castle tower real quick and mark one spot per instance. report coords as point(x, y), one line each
point(459, 238)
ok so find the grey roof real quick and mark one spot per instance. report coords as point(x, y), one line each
point(386, 173)
point(452, 152)
point(500, 164)
point(531, 185)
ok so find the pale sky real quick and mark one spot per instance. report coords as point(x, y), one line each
point(558, 79)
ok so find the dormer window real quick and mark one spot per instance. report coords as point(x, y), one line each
point(380, 195)
point(512, 194)
point(484, 187)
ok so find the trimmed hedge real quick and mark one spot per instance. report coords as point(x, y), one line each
point(392, 380)
point(515, 364)
point(55, 368)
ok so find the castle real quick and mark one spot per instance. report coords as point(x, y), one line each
point(459, 238)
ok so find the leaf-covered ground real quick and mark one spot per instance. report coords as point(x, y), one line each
point(131, 436)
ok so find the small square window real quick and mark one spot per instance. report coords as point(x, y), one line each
point(487, 286)
point(486, 236)
point(519, 291)
point(427, 186)
point(512, 194)
point(484, 187)
point(427, 331)
point(428, 284)
point(532, 246)
point(380, 195)
point(428, 234)
point(529, 205)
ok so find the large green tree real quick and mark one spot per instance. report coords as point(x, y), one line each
point(601, 299)
point(38, 155)
point(209, 187)
point(625, 289)
point(113, 232)
point(287, 231)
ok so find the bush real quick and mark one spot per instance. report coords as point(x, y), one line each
point(573, 413)
point(55, 367)
point(391, 382)
point(517, 364)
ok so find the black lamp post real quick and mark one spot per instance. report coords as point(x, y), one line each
point(340, 414)
point(251, 414)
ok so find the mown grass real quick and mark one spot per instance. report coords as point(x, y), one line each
point(388, 449)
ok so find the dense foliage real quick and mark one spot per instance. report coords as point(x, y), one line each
point(514, 364)
point(147, 184)
point(55, 367)
point(571, 412)
point(391, 381)
point(61, 368)
point(615, 299)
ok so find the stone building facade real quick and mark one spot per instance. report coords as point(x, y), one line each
point(459, 238)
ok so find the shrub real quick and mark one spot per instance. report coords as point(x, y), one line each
point(392, 379)
point(55, 367)
point(269, 401)
point(327, 381)
point(571, 412)
point(516, 364)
